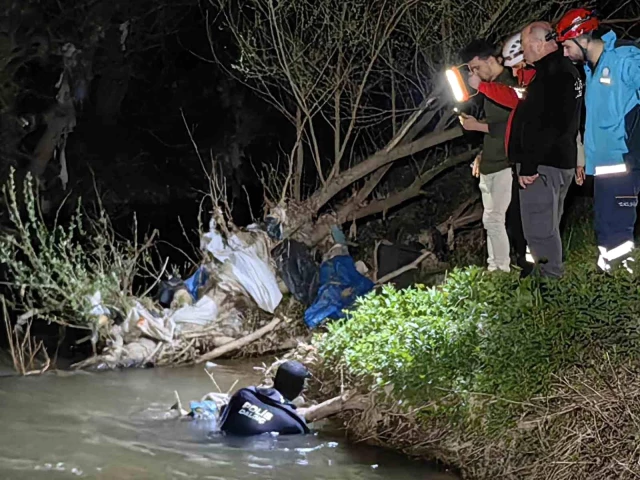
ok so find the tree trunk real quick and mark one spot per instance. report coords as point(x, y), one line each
point(361, 170)
point(297, 175)
point(60, 119)
point(354, 211)
point(114, 83)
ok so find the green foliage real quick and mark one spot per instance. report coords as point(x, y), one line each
point(52, 272)
point(483, 342)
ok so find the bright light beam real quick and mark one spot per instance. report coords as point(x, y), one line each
point(457, 85)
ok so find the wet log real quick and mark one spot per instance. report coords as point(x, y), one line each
point(241, 342)
point(334, 406)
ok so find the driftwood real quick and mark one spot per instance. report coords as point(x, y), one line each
point(241, 342)
point(466, 214)
point(411, 266)
point(334, 406)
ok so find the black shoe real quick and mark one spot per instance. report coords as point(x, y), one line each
point(526, 269)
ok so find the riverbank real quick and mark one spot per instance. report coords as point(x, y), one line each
point(498, 377)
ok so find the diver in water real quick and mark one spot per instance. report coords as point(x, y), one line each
point(256, 410)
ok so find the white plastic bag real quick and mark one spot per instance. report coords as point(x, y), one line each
point(202, 313)
point(248, 265)
point(153, 327)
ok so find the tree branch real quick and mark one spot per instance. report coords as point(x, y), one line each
point(412, 191)
point(352, 211)
point(377, 160)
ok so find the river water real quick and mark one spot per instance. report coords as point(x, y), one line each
point(113, 425)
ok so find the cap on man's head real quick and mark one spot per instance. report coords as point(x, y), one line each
point(289, 379)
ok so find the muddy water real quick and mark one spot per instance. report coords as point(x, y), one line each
point(113, 425)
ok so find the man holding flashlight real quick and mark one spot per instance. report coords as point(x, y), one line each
point(507, 96)
point(493, 167)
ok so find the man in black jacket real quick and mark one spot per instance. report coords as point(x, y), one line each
point(543, 144)
point(255, 410)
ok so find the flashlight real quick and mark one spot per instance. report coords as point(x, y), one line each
point(458, 87)
point(456, 110)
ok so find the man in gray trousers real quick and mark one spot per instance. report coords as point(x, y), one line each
point(542, 143)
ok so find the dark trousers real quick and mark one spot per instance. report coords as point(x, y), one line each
point(514, 224)
point(616, 199)
point(542, 206)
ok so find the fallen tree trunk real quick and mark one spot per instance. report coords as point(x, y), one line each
point(241, 342)
point(352, 210)
point(377, 160)
point(334, 406)
point(467, 213)
point(411, 266)
point(371, 165)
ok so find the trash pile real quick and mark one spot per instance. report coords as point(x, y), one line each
point(233, 301)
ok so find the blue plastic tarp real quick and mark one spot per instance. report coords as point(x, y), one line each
point(340, 285)
point(195, 281)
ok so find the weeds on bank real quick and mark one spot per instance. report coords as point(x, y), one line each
point(478, 347)
point(51, 272)
point(29, 355)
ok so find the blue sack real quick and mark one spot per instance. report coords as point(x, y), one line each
point(195, 281)
point(340, 285)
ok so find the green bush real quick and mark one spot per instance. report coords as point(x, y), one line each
point(52, 271)
point(483, 335)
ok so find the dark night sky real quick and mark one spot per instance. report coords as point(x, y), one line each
point(141, 156)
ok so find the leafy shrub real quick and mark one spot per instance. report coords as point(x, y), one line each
point(52, 271)
point(482, 335)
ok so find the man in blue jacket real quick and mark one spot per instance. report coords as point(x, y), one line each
point(255, 410)
point(612, 130)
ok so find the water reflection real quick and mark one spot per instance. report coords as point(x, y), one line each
point(114, 425)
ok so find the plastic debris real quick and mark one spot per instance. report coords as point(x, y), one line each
point(204, 410)
point(340, 285)
point(195, 281)
point(274, 228)
point(97, 308)
point(338, 235)
point(202, 313)
point(298, 270)
point(167, 290)
point(159, 328)
point(245, 258)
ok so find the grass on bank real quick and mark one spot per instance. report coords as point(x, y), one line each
point(481, 352)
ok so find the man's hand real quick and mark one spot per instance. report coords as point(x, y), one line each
point(580, 176)
point(524, 181)
point(474, 81)
point(475, 166)
point(472, 124)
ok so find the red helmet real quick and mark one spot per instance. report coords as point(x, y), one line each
point(575, 23)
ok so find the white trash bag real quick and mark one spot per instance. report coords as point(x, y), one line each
point(247, 264)
point(153, 327)
point(203, 312)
